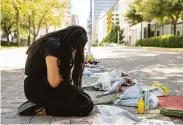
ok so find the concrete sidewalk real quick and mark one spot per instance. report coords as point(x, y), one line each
point(147, 66)
point(13, 95)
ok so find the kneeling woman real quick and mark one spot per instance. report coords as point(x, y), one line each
point(53, 72)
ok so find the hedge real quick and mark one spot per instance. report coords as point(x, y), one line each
point(5, 43)
point(169, 41)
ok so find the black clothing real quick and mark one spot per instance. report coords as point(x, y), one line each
point(61, 101)
point(36, 64)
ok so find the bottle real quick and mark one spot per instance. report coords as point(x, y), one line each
point(140, 106)
point(146, 100)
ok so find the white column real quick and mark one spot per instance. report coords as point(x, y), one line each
point(89, 48)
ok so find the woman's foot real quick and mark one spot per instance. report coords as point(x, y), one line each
point(42, 112)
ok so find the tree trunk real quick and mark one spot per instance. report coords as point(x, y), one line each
point(34, 39)
point(149, 30)
point(46, 30)
point(28, 41)
point(18, 25)
point(35, 33)
point(34, 28)
point(155, 30)
point(162, 29)
point(7, 36)
point(174, 28)
point(29, 32)
point(12, 39)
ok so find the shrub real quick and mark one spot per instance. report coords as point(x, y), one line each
point(94, 44)
point(162, 41)
point(101, 44)
point(5, 43)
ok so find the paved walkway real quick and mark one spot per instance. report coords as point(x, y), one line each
point(147, 66)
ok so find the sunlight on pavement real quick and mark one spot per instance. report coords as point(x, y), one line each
point(163, 70)
point(118, 52)
point(13, 58)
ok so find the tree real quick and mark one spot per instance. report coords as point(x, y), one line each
point(114, 33)
point(181, 15)
point(12, 10)
point(137, 12)
point(107, 39)
point(112, 37)
point(162, 11)
point(174, 9)
point(56, 16)
point(166, 11)
point(7, 19)
point(132, 16)
point(21, 16)
point(121, 36)
point(18, 5)
point(43, 13)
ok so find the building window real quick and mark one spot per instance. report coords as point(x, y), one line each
point(107, 18)
point(117, 18)
point(117, 14)
point(158, 33)
point(112, 18)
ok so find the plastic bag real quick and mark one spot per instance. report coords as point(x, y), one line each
point(87, 73)
point(116, 87)
point(155, 122)
point(90, 71)
point(93, 70)
point(108, 120)
point(134, 92)
point(115, 74)
point(99, 74)
point(108, 81)
point(153, 101)
point(154, 90)
point(103, 83)
point(114, 115)
point(127, 102)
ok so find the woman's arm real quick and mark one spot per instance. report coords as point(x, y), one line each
point(53, 74)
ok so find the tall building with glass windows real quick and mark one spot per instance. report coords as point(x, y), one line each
point(89, 30)
point(103, 5)
point(99, 6)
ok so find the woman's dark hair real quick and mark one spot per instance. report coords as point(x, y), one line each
point(69, 39)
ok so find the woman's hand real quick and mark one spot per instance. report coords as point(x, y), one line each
point(53, 74)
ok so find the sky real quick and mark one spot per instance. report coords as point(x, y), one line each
point(82, 9)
